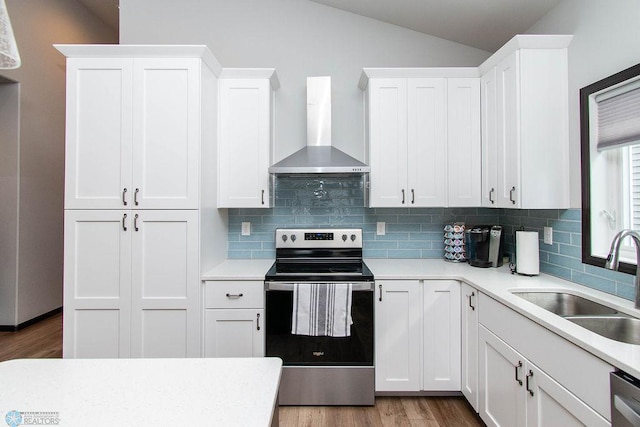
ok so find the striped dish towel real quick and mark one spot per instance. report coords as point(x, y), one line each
point(322, 309)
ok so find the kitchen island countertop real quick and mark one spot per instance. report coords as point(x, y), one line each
point(141, 392)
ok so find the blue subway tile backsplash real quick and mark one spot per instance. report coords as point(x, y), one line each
point(339, 201)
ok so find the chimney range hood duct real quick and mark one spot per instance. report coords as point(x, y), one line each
point(319, 156)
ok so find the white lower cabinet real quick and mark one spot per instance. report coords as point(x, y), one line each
point(514, 392)
point(398, 317)
point(529, 376)
point(234, 319)
point(131, 284)
point(441, 335)
point(469, 314)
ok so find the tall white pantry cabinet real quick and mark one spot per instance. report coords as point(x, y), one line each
point(140, 126)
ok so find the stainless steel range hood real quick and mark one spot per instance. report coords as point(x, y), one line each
point(319, 156)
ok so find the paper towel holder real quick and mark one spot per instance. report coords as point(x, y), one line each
point(526, 253)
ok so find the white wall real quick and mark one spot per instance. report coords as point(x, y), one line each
point(606, 39)
point(299, 38)
point(39, 155)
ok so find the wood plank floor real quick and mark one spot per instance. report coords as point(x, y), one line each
point(44, 340)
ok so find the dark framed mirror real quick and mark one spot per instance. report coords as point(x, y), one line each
point(610, 149)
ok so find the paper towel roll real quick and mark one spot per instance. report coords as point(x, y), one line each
point(527, 256)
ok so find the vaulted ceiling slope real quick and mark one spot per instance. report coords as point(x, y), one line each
point(483, 24)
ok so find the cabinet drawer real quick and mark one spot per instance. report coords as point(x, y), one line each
point(234, 294)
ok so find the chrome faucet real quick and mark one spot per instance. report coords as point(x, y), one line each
point(613, 259)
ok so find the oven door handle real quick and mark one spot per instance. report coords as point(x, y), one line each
point(288, 286)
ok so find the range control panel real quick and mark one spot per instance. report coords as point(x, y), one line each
point(318, 238)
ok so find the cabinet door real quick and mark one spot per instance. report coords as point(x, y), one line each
point(501, 380)
point(165, 297)
point(463, 142)
point(427, 143)
point(398, 335)
point(245, 143)
point(508, 125)
point(470, 344)
point(441, 344)
point(550, 404)
point(234, 333)
point(166, 132)
point(98, 133)
point(97, 283)
point(488, 93)
point(388, 142)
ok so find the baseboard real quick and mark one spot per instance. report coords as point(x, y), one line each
point(15, 328)
point(419, 393)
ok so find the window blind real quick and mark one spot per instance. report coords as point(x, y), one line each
point(619, 116)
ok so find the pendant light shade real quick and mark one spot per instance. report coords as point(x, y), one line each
point(9, 56)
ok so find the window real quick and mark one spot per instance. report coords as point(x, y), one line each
point(610, 130)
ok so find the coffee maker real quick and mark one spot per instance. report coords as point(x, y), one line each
point(485, 245)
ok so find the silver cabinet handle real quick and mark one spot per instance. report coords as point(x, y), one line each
point(124, 200)
point(490, 194)
point(135, 197)
point(529, 375)
point(380, 287)
point(263, 197)
point(124, 225)
point(257, 321)
point(513, 189)
point(403, 196)
point(135, 223)
point(234, 296)
point(473, 294)
point(413, 196)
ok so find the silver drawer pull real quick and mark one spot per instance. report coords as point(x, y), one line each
point(234, 296)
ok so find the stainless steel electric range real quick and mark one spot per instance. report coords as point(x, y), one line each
point(324, 266)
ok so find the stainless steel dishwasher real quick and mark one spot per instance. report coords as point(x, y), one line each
point(625, 400)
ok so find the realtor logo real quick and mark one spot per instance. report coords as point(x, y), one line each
point(27, 418)
point(13, 418)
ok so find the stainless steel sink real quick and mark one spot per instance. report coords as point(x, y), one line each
point(565, 304)
point(601, 319)
point(620, 328)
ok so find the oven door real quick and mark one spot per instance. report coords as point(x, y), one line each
point(302, 350)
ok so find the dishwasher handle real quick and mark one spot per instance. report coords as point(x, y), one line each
point(629, 409)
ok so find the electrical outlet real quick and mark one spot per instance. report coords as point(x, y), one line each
point(548, 236)
point(381, 228)
point(246, 229)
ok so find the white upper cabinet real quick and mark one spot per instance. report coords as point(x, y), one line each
point(525, 136)
point(99, 133)
point(166, 132)
point(133, 133)
point(463, 142)
point(245, 137)
point(421, 140)
point(388, 142)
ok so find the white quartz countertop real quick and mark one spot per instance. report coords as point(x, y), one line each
point(239, 269)
point(498, 282)
point(142, 392)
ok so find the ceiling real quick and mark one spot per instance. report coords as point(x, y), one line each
point(484, 24)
